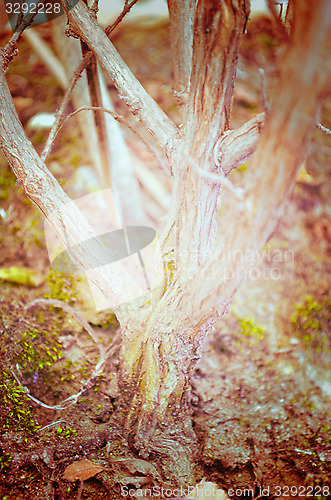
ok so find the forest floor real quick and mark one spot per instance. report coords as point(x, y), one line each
point(262, 389)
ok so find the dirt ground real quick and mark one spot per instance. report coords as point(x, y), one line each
point(262, 389)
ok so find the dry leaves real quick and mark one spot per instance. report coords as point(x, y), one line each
point(82, 470)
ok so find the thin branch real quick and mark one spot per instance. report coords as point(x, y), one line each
point(218, 30)
point(236, 146)
point(130, 90)
point(277, 18)
point(97, 371)
point(9, 51)
point(123, 121)
point(127, 7)
point(73, 80)
point(218, 179)
point(70, 310)
point(70, 54)
point(66, 402)
point(59, 115)
point(181, 13)
point(288, 21)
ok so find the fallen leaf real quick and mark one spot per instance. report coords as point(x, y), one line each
point(21, 275)
point(81, 469)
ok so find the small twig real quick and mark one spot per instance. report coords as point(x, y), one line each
point(59, 115)
point(280, 15)
point(9, 51)
point(51, 425)
point(324, 129)
point(97, 369)
point(70, 310)
point(305, 452)
point(127, 7)
point(65, 404)
point(76, 75)
point(218, 178)
point(278, 20)
point(121, 120)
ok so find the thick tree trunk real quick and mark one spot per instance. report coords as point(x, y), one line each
point(156, 364)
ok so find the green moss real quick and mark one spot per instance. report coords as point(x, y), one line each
point(66, 433)
point(110, 321)
point(35, 352)
point(15, 411)
point(267, 40)
point(62, 286)
point(311, 323)
point(252, 330)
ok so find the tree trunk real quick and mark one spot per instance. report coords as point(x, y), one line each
point(156, 364)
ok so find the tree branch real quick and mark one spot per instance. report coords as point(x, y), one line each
point(181, 14)
point(130, 90)
point(236, 146)
point(9, 51)
point(122, 174)
point(281, 150)
point(66, 219)
point(69, 52)
point(218, 30)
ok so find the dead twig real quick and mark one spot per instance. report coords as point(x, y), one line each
point(59, 115)
point(277, 18)
point(97, 369)
point(9, 51)
point(127, 7)
point(65, 307)
point(123, 121)
point(73, 80)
